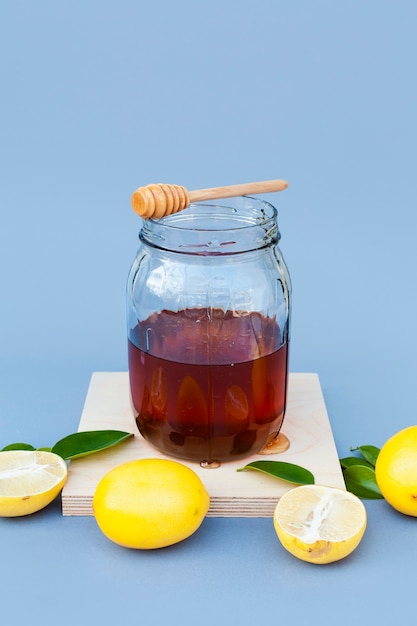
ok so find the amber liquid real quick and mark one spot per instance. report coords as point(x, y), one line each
point(199, 387)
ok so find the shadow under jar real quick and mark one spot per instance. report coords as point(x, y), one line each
point(208, 314)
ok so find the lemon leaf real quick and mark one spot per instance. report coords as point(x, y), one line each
point(87, 442)
point(370, 453)
point(283, 470)
point(348, 461)
point(360, 480)
point(18, 446)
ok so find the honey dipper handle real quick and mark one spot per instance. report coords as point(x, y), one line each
point(245, 189)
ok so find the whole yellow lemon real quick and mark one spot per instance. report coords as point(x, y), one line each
point(150, 503)
point(396, 471)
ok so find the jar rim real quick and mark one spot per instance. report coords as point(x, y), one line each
point(242, 211)
point(224, 226)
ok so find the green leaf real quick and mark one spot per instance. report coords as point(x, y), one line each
point(18, 446)
point(370, 453)
point(348, 461)
point(87, 442)
point(280, 469)
point(361, 481)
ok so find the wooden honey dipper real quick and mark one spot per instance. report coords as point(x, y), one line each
point(160, 200)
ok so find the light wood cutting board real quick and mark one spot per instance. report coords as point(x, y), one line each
point(232, 493)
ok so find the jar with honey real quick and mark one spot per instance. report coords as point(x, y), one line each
point(208, 315)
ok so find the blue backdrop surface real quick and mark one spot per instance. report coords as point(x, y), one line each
point(100, 97)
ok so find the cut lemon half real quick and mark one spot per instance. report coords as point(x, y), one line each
point(319, 524)
point(29, 480)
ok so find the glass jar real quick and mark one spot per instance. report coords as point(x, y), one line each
point(208, 314)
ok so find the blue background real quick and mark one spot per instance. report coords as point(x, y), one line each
point(100, 97)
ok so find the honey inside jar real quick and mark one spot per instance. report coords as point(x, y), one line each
point(195, 393)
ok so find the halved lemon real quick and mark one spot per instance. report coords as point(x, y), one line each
point(320, 524)
point(29, 480)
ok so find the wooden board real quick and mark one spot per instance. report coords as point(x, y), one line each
point(232, 493)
